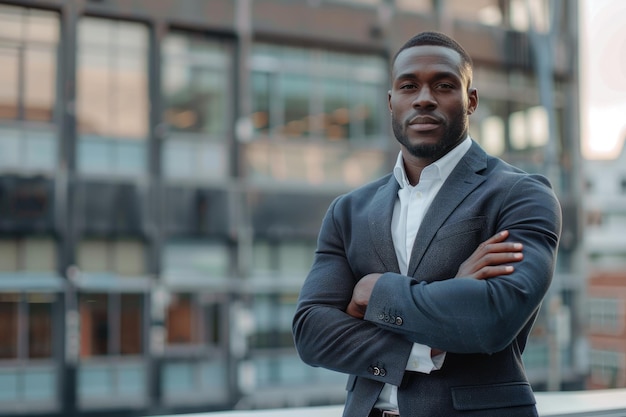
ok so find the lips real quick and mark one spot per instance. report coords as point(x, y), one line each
point(424, 123)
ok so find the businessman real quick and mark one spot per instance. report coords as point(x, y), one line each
point(426, 282)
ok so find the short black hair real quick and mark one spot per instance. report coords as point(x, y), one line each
point(439, 39)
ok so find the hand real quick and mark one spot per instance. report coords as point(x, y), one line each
point(361, 295)
point(491, 257)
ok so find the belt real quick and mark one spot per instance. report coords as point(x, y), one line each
point(384, 413)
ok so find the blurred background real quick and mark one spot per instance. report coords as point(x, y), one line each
point(165, 165)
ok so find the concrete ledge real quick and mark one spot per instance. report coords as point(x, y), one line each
point(600, 403)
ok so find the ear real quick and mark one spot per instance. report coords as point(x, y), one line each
point(389, 101)
point(472, 95)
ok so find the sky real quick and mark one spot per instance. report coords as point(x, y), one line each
point(603, 77)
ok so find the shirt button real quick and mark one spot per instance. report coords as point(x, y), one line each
point(418, 194)
point(415, 364)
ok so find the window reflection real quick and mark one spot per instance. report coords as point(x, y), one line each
point(131, 332)
point(40, 310)
point(112, 96)
point(182, 320)
point(125, 257)
point(197, 75)
point(311, 93)
point(416, 6)
point(26, 317)
point(8, 325)
point(9, 70)
point(112, 78)
point(195, 84)
point(111, 324)
point(94, 324)
point(333, 102)
point(487, 12)
point(28, 47)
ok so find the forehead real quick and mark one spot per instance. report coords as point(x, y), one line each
point(427, 58)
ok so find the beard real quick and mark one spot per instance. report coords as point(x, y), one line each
point(453, 134)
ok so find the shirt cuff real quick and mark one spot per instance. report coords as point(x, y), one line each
point(420, 360)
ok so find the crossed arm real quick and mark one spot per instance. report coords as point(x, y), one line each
point(491, 258)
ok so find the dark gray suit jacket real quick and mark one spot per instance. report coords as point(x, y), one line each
point(482, 324)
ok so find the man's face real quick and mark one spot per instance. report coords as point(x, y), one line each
point(430, 101)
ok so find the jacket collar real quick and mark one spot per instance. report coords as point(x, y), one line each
point(464, 178)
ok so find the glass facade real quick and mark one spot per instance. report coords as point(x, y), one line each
point(319, 116)
point(197, 94)
point(112, 97)
point(29, 42)
point(165, 268)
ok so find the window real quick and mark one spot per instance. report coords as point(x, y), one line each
point(289, 258)
point(28, 70)
point(527, 14)
point(415, 6)
point(606, 367)
point(111, 324)
point(300, 93)
point(197, 90)
point(487, 12)
point(529, 128)
point(9, 310)
point(124, 257)
point(26, 326)
point(29, 254)
point(204, 259)
point(273, 314)
point(605, 315)
point(112, 97)
point(319, 116)
point(194, 319)
point(182, 320)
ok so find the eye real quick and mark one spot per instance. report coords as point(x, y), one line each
point(407, 86)
point(445, 86)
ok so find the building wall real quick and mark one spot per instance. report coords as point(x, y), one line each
point(605, 243)
point(167, 161)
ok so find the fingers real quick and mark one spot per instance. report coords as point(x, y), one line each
point(493, 271)
point(355, 311)
point(492, 258)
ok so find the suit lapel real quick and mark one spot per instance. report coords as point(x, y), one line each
point(462, 180)
point(379, 220)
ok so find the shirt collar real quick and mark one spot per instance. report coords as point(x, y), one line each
point(441, 168)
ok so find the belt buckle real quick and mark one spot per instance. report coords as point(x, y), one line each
point(391, 414)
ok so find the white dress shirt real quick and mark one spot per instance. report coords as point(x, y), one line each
point(408, 213)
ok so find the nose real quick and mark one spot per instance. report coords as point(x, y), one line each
point(424, 98)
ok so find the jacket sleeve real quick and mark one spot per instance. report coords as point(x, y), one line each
point(325, 335)
point(465, 315)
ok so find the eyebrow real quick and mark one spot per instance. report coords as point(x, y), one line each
point(438, 76)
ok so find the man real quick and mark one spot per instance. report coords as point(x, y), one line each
point(426, 282)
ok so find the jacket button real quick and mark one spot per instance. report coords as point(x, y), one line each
point(381, 316)
point(383, 372)
point(376, 371)
point(399, 321)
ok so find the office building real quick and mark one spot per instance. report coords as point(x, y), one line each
point(605, 212)
point(165, 165)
